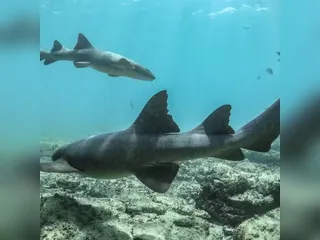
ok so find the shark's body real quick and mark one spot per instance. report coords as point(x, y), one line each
point(85, 55)
point(152, 148)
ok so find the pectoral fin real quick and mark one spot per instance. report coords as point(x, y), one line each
point(111, 75)
point(81, 64)
point(158, 177)
point(126, 63)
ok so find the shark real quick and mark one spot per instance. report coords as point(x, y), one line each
point(85, 55)
point(153, 147)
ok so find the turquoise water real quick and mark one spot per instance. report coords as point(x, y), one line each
point(200, 51)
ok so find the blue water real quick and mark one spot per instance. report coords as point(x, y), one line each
point(199, 51)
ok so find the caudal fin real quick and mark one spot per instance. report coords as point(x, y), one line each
point(260, 133)
point(46, 56)
point(43, 54)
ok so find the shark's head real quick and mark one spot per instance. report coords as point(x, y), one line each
point(136, 71)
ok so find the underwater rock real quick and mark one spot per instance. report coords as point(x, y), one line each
point(210, 199)
point(271, 158)
point(264, 227)
point(232, 194)
point(276, 145)
point(63, 216)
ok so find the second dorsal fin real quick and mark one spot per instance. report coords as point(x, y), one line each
point(83, 43)
point(154, 117)
point(217, 122)
point(57, 46)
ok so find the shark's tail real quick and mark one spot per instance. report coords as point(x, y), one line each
point(43, 54)
point(47, 57)
point(259, 134)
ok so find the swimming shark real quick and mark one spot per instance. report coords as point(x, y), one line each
point(84, 55)
point(153, 147)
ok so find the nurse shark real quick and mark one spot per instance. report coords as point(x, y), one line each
point(84, 55)
point(152, 148)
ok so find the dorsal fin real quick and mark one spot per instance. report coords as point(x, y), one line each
point(217, 122)
point(83, 43)
point(57, 46)
point(154, 117)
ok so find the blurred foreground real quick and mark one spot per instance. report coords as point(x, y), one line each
point(21, 30)
point(300, 167)
point(19, 125)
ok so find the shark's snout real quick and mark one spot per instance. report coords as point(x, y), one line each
point(150, 75)
point(143, 73)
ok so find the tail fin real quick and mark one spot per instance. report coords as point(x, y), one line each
point(259, 134)
point(57, 47)
point(43, 54)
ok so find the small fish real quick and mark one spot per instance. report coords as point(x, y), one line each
point(131, 104)
point(269, 70)
point(259, 77)
point(278, 53)
point(84, 55)
point(152, 147)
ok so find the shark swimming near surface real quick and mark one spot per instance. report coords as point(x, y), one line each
point(84, 55)
point(153, 147)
